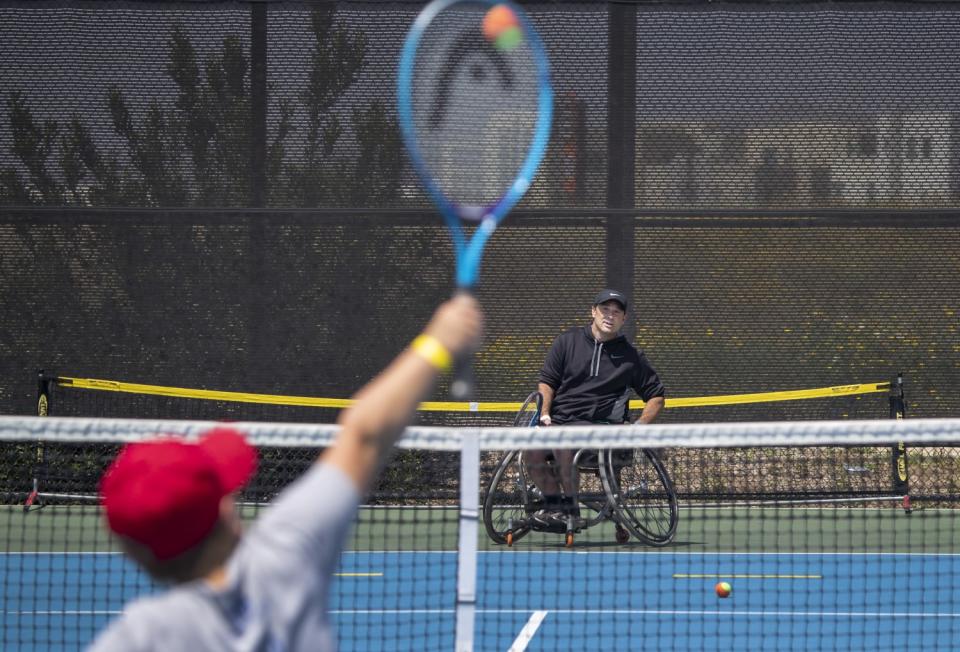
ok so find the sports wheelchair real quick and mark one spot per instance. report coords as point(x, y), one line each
point(629, 487)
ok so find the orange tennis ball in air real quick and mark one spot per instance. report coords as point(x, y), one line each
point(498, 20)
point(723, 589)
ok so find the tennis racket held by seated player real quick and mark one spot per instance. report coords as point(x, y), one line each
point(474, 102)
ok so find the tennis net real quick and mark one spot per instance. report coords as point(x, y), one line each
point(94, 397)
point(456, 559)
point(91, 397)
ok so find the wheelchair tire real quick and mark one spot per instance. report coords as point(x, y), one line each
point(641, 492)
point(506, 499)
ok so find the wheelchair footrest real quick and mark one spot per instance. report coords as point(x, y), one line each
point(578, 525)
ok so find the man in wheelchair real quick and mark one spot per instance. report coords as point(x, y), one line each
point(587, 378)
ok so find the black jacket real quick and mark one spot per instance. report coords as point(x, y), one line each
point(592, 380)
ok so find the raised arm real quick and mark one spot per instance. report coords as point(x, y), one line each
point(385, 406)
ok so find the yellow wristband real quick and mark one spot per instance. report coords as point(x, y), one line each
point(430, 349)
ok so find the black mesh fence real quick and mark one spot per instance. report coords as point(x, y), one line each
point(290, 104)
point(206, 194)
point(175, 300)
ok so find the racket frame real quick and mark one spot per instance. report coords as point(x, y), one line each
point(468, 253)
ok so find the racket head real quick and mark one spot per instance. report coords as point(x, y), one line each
point(474, 107)
point(529, 413)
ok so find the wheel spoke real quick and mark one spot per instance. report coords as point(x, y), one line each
point(643, 496)
point(504, 505)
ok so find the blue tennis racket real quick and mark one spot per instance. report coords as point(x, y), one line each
point(475, 103)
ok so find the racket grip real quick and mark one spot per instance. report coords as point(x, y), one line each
point(463, 385)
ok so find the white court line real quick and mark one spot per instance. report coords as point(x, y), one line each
point(671, 612)
point(730, 553)
point(389, 612)
point(638, 553)
point(591, 612)
point(527, 633)
point(667, 612)
point(78, 612)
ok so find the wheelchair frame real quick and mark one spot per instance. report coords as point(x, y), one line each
point(637, 493)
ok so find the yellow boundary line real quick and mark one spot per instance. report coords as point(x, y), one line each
point(456, 406)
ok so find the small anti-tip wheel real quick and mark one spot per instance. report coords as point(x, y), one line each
point(509, 539)
point(622, 535)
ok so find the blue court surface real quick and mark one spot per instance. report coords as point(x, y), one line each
point(549, 600)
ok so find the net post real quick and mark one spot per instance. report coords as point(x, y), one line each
point(467, 540)
point(43, 409)
point(901, 478)
point(43, 393)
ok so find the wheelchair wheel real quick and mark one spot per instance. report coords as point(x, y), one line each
point(506, 500)
point(642, 494)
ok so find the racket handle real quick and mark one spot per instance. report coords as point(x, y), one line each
point(463, 385)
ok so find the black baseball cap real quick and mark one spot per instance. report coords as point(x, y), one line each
point(610, 295)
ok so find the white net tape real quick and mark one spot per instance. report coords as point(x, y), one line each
point(706, 435)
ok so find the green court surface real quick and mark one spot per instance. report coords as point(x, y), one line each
point(722, 529)
point(810, 577)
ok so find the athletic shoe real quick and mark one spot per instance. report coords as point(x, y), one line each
point(550, 518)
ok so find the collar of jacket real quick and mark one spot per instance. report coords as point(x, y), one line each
point(588, 333)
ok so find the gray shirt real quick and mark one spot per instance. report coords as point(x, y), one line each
point(278, 581)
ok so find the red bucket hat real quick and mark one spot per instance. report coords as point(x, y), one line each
point(165, 493)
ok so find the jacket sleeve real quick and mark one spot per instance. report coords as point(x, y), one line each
point(646, 382)
point(552, 371)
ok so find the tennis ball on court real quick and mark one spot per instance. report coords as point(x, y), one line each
point(723, 589)
point(498, 20)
